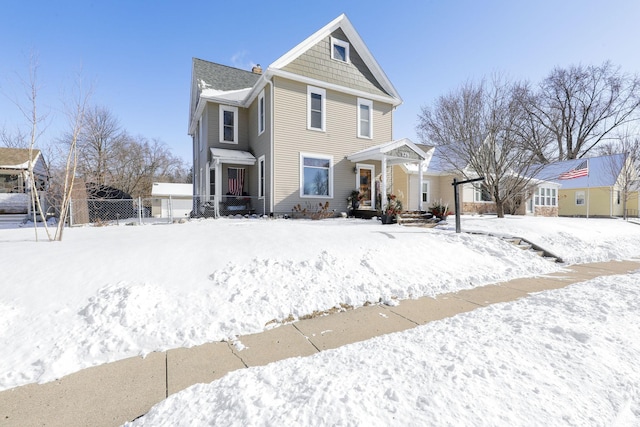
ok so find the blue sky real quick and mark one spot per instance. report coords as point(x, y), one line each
point(137, 54)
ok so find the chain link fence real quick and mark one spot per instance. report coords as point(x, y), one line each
point(143, 210)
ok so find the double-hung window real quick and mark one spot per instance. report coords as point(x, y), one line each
point(316, 175)
point(316, 104)
point(261, 113)
point(425, 192)
point(228, 124)
point(580, 199)
point(365, 122)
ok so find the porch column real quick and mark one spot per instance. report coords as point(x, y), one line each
point(383, 186)
point(420, 207)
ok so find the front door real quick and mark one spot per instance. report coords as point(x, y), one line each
point(365, 174)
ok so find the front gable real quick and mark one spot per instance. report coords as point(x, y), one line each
point(317, 63)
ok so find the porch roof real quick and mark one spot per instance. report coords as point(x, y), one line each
point(398, 151)
point(224, 155)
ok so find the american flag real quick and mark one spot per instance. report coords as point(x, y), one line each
point(581, 170)
point(236, 181)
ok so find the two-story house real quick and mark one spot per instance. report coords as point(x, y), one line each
point(310, 128)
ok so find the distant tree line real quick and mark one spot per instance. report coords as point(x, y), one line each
point(506, 130)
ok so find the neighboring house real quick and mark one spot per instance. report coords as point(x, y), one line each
point(594, 186)
point(171, 200)
point(442, 166)
point(313, 126)
point(14, 179)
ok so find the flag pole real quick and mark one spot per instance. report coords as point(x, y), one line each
point(588, 189)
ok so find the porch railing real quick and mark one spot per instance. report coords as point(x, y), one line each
point(228, 205)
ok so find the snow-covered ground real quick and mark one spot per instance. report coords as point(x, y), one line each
point(105, 293)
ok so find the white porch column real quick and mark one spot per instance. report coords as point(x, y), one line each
point(420, 207)
point(383, 189)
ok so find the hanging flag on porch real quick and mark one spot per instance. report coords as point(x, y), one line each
point(581, 170)
point(236, 181)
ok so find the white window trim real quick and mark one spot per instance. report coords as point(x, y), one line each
point(428, 184)
point(317, 156)
point(584, 198)
point(262, 115)
point(541, 198)
point(477, 195)
point(343, 44)
point(372, 168)
point(234, 110)
point(368, 103)
point(323, 94)
point(262, 172)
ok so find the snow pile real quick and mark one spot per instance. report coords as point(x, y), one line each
point(107, 293)
point(563, 357)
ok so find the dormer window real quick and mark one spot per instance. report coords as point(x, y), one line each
point(339, 50)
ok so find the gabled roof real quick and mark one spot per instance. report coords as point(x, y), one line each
point(356, 41)
point(17, 158)
point(603, 172)
point(234, 86)
point(218, 77)
point(378, 152)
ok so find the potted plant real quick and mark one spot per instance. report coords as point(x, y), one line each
point(440, 210)
point(354, 199)
point(393, 208)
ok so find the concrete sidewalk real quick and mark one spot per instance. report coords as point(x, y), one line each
point(111, 394)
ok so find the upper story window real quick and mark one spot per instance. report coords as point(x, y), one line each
point(316, 101)
point(546, 196)
point(339, 50)
point(261, 113)
point(228, 124)
point(365, 122)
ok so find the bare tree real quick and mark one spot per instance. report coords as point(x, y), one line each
point(76, 120)
point(140, 161)
point(479, 126)
point(579, 107)
point(98, 143)
point(16, 139)
point(20, 139)
point(623, 167)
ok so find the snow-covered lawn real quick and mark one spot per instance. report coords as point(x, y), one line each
point(107, 293)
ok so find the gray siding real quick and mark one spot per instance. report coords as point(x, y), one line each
point(291, 137)
point(260, 144)
point(213, 128)
point(316, 63)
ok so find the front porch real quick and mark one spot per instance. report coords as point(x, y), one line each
point(391, 180)
point(231, 190)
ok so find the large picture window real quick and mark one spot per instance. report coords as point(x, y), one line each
point(228, 124)
point(316, 175)
point(546, 196)
point(316, 108)
point(482, 193)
